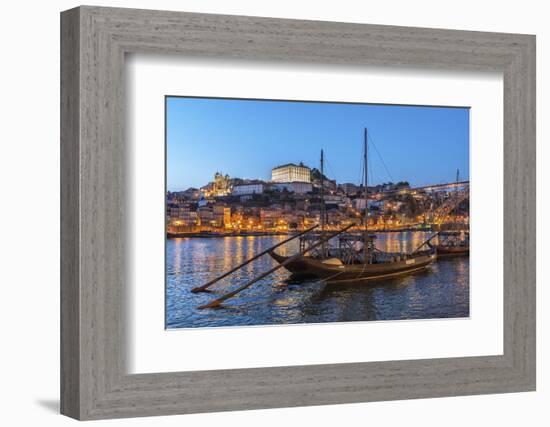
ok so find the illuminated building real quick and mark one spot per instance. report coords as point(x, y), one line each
point(293, 187)
point(291, 173)
point(245, 189)
point(349, 188)
point(221, 185)
point(221, 216)
point(270, 216)
point(205, 215)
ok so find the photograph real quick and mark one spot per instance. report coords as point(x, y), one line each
point(306, 212)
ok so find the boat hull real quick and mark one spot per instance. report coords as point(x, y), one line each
point(305, 266)
point(452, 251)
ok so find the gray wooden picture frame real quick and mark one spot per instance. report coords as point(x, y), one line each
point(94, 381)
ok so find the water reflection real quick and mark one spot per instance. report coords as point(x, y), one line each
point(440, 292)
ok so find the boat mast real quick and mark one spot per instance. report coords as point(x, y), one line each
point(365, 154)
point(456, 199)
point(322, 201)
point(366, 251)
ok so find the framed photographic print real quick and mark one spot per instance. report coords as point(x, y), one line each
point(283, 213)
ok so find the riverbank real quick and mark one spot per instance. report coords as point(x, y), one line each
point(204, 234)
point(216, 234)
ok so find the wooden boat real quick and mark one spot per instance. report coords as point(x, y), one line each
point(453, 243)
point(448, 251)
point(333, 270)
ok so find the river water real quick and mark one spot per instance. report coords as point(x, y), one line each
point(441, 291)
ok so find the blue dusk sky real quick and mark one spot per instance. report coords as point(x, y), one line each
point(246, 138)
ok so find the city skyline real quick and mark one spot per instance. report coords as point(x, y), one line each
point(247, 138)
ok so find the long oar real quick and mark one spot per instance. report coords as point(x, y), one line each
point(217, 302)
point(207, 285)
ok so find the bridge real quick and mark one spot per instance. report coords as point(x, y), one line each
point(450, 186)
point(442, 211)
point(460, 191)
